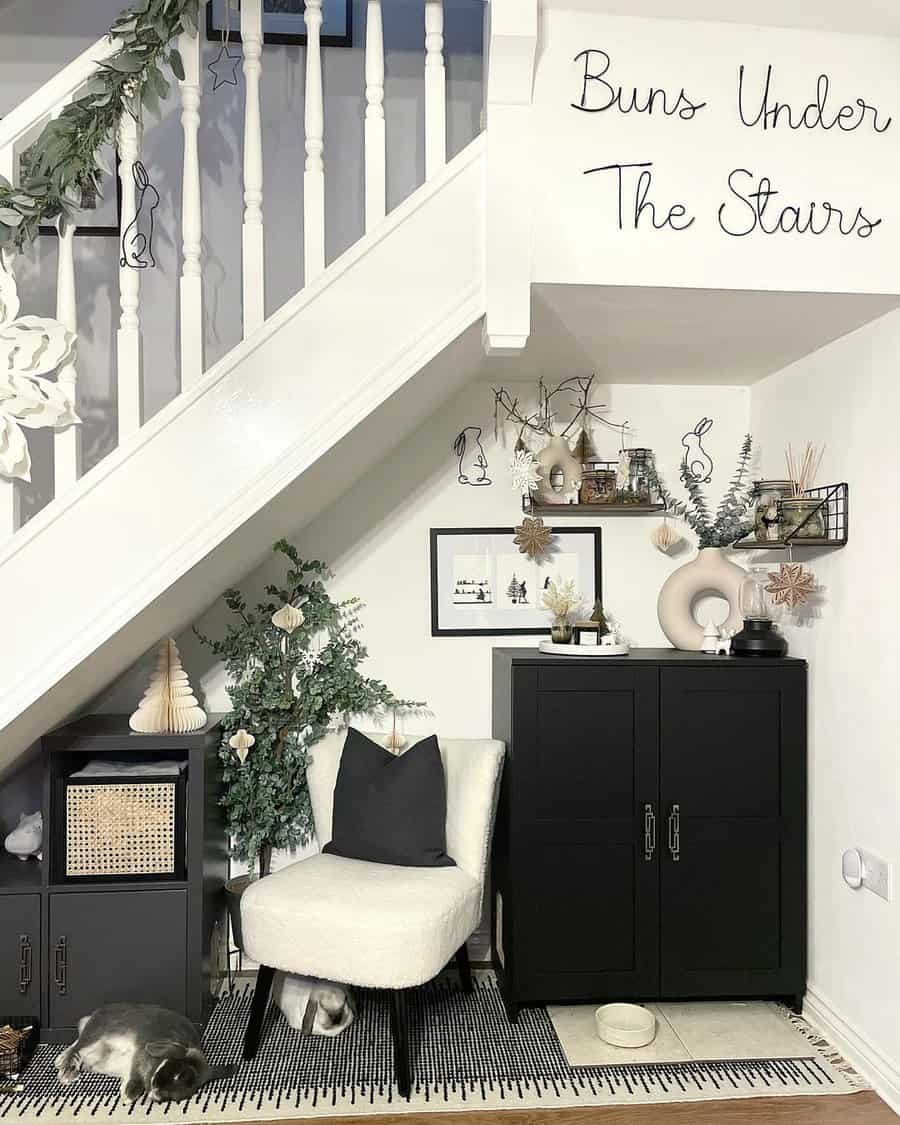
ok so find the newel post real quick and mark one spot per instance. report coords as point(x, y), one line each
point(511, 29)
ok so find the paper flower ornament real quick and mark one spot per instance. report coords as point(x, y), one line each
point(792, 586)
point(524, 472)
point(533, 537)
point(288, 618)
point(241, 742)
point(30, 348)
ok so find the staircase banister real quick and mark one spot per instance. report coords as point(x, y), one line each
point(57, 92)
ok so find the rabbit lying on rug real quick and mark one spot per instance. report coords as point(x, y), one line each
point(313, 1006)
point(154, 1052)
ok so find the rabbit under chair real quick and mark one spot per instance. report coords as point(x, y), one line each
point(377, 925)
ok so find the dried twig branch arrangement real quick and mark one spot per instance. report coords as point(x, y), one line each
point(802, 473)
point(574, 393)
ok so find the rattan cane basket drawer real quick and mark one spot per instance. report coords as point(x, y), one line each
point(124, 829)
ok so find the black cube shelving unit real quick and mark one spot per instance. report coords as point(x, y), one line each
point(69, 945)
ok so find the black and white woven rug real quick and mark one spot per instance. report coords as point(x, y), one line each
point(465, 1055)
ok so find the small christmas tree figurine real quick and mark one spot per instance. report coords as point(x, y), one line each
point(169, 705)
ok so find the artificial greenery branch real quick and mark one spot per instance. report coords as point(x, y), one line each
point(293, 668)
point(66, 159)
point(730, 522)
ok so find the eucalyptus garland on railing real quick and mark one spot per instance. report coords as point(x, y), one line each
point(66, 159)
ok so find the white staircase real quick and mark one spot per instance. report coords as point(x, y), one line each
point(190, 501)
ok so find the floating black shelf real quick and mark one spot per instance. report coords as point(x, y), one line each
point(592, 509)
point(835, 511)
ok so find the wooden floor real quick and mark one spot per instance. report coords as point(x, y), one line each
point(849, 1109)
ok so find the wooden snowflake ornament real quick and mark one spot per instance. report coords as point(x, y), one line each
point(533, 537)
point(792, 586)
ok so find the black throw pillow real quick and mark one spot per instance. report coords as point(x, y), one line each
point(390, 808)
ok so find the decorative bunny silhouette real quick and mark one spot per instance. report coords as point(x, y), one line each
point(137, 238)
point(697, 461)
point(472, 461)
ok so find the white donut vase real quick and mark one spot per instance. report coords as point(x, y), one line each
point(709, 573)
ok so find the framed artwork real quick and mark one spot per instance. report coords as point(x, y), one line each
point(483, 586)
point(101, 212)
point(283, 22)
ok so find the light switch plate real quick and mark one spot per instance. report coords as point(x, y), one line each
point(876, 875)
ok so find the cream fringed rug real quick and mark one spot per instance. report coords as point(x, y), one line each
point(465, 1055)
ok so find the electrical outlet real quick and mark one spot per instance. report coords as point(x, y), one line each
point(876, 875)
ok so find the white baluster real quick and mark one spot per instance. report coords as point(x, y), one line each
point(191, 294)
point(435, 89)
point(253, 244)
point(314, 176)
point(375, 141)
point(66, 443)
point(10, 499)
point(128, 340)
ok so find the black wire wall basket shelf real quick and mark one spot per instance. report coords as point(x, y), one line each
point(833, 504)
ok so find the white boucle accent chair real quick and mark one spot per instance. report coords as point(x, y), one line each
point(375, 925)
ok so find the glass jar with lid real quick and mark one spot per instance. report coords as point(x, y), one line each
point(635, 476)
point(768, 496)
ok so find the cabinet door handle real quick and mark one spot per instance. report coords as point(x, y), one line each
point(675, 832)
point(61, 966)
point(25, 963)
point(649, 832)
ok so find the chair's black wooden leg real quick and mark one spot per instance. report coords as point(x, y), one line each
point(464, 968)
point(258, 1010)
point(400, 1036)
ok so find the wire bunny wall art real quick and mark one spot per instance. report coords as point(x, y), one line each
point(472, 460)
point(137, 238)
point(696, 460)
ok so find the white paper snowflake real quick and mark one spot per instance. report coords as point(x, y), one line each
point(30, 347)
point(524, 472)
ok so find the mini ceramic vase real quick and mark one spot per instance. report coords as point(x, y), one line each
point(561, 632)
point(556, 462)
point(27, 837)
point(709, 573)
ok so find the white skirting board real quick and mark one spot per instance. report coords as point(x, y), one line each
point(880, 1071)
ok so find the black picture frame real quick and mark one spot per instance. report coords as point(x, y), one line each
point(100, 231)
point(214, 31)
point(595, 533)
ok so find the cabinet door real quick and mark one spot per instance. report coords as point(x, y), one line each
point(20, 955)
point(116, 946)
point(732, 765)
point(584, 767)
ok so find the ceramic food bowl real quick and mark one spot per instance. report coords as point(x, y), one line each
point(625, 1025)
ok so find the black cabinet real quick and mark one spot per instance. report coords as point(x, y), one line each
point(104, 938)
point(651, 835)
point(107, 947)
point(20, 955)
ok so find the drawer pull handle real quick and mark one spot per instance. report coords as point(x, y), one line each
point(675, 833)
point(61, 966)
point(25, 963)
point(649, 832)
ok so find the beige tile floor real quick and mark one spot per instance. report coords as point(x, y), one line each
point(700, 1030)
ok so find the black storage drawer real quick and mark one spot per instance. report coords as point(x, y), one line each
point(116, 946)
point(20, 956)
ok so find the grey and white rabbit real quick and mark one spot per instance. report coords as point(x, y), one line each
point(152, 1050)
point(313, 1006)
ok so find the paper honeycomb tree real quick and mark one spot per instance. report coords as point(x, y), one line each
point(169, 705)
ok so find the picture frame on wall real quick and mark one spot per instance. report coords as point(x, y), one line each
point(101, 212)
point(283, 22)
point(483, 586)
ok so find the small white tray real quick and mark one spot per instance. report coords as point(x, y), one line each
point(583, 650)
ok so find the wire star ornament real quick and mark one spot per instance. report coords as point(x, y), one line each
point(219, 68)
point(792, 586)
point(533, 537)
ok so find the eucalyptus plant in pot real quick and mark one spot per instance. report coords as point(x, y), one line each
point(710, 571)
point(293, 668)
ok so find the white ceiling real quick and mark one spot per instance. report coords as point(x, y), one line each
point(679, 336)
point(867, 17)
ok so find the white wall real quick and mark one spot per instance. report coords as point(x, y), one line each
point(847, 395)
point(376, 539)
point(31, 49)
point(577, 237)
